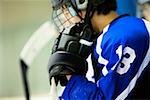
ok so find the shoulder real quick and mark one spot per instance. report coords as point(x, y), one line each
point(127, 22)
point(130, 27)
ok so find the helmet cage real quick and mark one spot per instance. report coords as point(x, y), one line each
point(64, 15)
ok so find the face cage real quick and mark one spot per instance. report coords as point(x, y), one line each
point(65, 17)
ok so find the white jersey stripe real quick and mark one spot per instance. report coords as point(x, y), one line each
point(101, 60)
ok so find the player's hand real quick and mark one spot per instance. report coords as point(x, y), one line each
point(70, 52)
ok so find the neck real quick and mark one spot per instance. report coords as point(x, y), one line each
point(106, 20)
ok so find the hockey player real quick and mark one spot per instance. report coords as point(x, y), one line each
point(120, 53)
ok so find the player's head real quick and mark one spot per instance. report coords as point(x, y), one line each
point(101, 12)
point(68, 12)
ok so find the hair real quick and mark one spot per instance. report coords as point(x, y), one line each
point(106, 7)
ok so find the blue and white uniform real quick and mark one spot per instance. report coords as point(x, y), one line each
point(122, 54)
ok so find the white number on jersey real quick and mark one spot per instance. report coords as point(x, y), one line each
point(129, 56)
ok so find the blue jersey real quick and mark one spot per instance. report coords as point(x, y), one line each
point(122, 54)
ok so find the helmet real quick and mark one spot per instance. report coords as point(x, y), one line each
point(80, 4)
point(66, 12)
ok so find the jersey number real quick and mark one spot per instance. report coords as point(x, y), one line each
point(128, 58)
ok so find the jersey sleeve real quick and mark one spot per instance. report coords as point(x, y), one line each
point(79, 88)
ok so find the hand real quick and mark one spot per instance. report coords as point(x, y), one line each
point(70, 52)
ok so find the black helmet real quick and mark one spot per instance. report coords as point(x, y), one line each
point(79, 4)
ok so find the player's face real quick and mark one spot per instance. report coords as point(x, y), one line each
point(65, 17)
point(96, 23)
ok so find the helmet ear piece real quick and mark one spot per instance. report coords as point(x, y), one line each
point(81, 4)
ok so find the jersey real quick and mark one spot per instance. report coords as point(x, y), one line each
point(122, 55)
